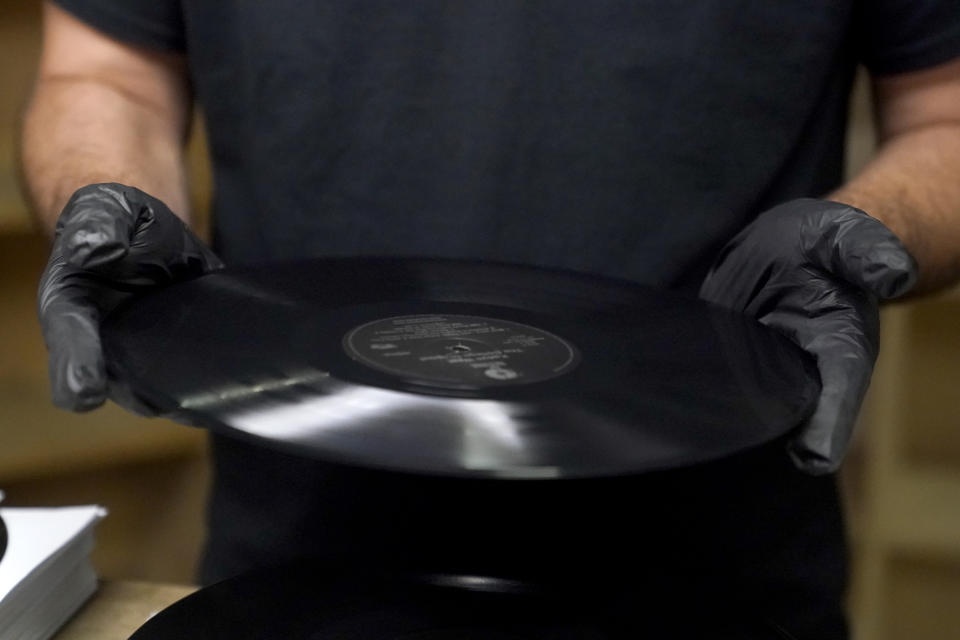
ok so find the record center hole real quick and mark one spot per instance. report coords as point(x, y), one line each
point(459, 348)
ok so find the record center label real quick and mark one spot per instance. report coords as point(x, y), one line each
point(460, 350)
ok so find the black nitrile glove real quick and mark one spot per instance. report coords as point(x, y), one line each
point(111, 241)
point(815, 270)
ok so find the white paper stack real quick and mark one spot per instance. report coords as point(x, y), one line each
point(46, 573)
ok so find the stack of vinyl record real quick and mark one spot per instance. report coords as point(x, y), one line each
point(45, 573)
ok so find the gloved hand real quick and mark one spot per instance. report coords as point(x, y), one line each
point(111, 241)
point(815, 270)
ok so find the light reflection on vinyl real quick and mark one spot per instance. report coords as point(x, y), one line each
point(460, 368)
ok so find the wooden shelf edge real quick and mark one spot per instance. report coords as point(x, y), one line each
point(155, 450)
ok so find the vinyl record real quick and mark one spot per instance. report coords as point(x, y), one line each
point(304, 602)
point(460, 368)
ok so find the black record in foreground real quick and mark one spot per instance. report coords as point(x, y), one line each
point(303, 602)
point(460, 368)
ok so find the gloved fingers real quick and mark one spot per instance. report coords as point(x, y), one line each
point(70, 304)
point(814, 270)
point(821, 443)
point(78, 380)
point(95, 228)
point(66, 289)
point(863, 251)
point(841, 331)
point(716, 286)
point(130, 237)
point(185, 254)
point(111, 239)
point(739, 278)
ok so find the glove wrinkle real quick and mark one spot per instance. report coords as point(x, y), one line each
point(76, 371)
point(87, 248)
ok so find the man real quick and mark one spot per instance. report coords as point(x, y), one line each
point(632, 139)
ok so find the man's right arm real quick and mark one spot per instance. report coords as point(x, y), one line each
point(103, 111)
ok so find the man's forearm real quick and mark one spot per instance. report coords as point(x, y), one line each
point(79, 130)
point(913, 186)
point(913, 183)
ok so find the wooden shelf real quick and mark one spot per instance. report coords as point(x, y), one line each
point(40, 442)
point(120, 608)
point(14, 216)
point(910, 516)
point(20, 35)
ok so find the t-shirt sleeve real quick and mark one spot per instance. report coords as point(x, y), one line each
point(156, 24)
point(897, 36)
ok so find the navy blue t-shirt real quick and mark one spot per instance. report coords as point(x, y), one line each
point(628, 138)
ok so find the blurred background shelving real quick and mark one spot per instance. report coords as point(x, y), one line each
point(20, 41)
point(902, 480)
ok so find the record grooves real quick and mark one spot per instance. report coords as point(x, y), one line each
point(299, 602)
point(448, 367)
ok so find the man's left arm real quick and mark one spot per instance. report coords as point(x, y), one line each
point(912, 185)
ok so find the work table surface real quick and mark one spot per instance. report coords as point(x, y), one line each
point(118, 609)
